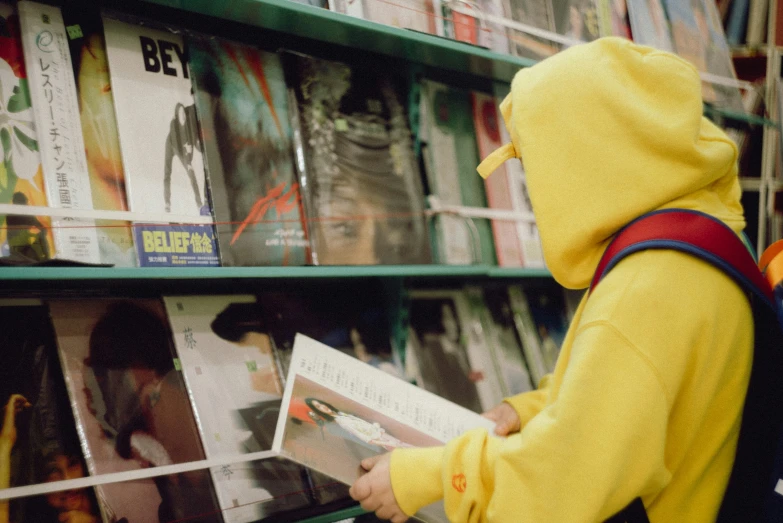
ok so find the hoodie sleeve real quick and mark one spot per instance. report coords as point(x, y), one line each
point(528, 404)
point(582, 459)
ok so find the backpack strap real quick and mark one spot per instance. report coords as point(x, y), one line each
point(691, 232)
point(711, 240)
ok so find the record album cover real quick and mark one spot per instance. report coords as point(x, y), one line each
point(448, 139)
point(242, 104)
point(38, 438)
point(99, 127)
point(132, 407)
point(535, 13)
point(160, 143)
point(22, 237)
point(360, 179)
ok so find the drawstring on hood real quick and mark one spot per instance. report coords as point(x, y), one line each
point(608, 131)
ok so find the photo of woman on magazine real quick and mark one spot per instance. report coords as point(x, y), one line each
point(356, 427)
point(331, 433)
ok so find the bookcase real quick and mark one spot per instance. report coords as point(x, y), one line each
point(287, 24)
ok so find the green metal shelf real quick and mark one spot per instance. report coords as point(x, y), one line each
point(213, 273)
point(287, 16)
point(346, 513)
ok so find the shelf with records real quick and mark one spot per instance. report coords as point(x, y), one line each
point(164, 408)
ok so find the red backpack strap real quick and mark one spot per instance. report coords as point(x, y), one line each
point(691, 232)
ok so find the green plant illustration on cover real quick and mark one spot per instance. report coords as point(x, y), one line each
point(20, 148)
point(21, 177)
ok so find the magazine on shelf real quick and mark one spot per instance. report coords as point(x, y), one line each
point(506, 345)
point(56, 111)
point(528, 333)
point(538, 14)
point(358, 173)
point(697, 34)
point(447, 351)
point(614, 18)
point(22, 237)
point(132, 408)
point(498, 186)
point(448, 139)
point(242, 105)
point(649, 24)
point(235, 374)
point(418, 15)
point(38, 432)
point(99, 128)
point(550, 315)
point(160, 144)
point(578, 20)
point(529, 237)
point(337, 411)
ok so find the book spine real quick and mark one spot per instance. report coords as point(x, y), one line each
point(60, 139)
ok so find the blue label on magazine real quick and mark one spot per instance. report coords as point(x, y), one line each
point(173, 245)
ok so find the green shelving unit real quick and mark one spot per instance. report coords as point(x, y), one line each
point(212, 273)
point(337, 516)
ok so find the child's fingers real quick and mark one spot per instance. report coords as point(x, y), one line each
point(361, 489)
point(369, 463)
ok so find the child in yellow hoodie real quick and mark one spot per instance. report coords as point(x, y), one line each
point(646, 397)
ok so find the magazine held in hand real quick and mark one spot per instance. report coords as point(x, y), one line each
point(337, 411)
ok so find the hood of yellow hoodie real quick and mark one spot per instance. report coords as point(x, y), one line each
point(608, 131)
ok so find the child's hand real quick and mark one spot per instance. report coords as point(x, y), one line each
point(374, 490)
point(505, 417)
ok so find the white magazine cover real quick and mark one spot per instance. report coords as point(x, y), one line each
point(451, 350)
point(235, 388)
point(156, 119)
point(60, 139)
point(649, 24)
point(160, 143)
point(529, 237)
point(338, 411)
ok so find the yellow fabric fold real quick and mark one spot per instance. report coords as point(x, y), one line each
point(496, 159)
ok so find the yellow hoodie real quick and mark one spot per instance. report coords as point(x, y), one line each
point(647, 393)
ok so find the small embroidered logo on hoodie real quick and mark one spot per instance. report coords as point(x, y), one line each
point(459, 482)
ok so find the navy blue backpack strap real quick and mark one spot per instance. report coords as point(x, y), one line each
point(711, 240)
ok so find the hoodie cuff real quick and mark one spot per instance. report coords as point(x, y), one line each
point(416, 477)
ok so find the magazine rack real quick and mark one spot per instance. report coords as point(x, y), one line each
point(303, 28)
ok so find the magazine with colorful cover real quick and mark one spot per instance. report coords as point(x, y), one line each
point(56, 110)
point(447, 351)
point(359, 176)
point(649, 24)
point(242, 105)
point(337, 411)
point(160, 143)
point(697, 33)
point(99, 129)
point(22, 237)
point(614, 18)
point(38, 434)
point(529, 237)
point(578, 19)
point(498, 186)
point(506, 345)
point(448, 139)
point(538, 14)
point(132, 408)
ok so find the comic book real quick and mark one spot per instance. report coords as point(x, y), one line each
point(242, 104)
